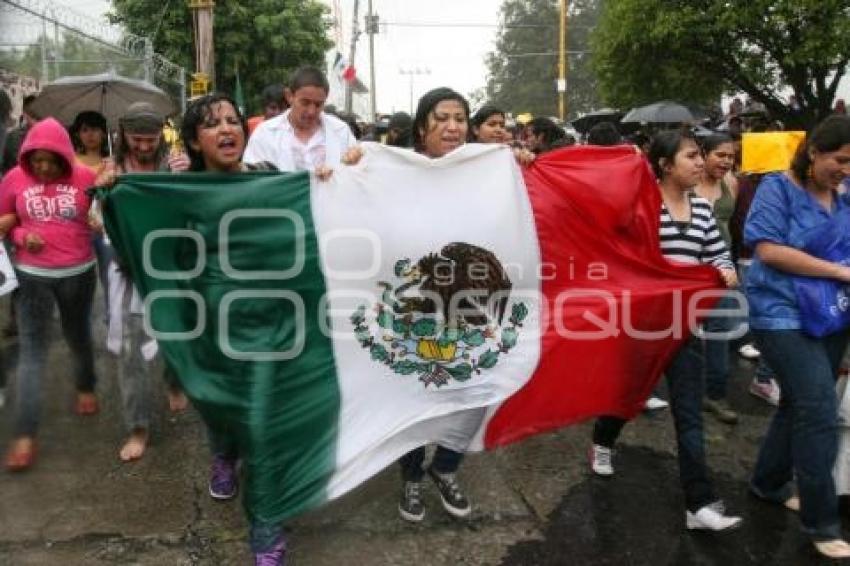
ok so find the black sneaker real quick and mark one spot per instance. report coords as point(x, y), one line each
point(411, 507)
point(452, 497)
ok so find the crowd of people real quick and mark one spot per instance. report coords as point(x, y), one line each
point(749, 228)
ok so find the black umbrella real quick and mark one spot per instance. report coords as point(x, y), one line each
point(583, 123)
point(107, 93)
point(664, 112)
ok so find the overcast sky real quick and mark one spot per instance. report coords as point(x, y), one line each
point(446, 53)
point(447, 44)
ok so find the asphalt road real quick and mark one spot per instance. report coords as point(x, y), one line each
point(536, 503)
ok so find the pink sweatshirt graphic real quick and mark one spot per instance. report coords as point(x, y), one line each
point(56, 211)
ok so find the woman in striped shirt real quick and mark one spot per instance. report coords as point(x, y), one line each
point(688, 234)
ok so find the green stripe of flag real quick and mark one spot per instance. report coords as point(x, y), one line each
point(230, 265)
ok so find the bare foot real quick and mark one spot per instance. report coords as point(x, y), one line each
point(134, 447)
point(86, 404)
point(21, 454)
point(177, 401)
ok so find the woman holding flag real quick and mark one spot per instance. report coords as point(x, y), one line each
point(440, 126)
point(688, 234)
point(214, 133)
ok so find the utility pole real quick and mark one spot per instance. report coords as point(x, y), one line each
point(202, 25)
point(562, 63)
point(148, 60)
point(355, 32)
point(412, 72)
point(45, 71)
point(372, 29)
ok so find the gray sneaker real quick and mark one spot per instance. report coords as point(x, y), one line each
point(411, 507)
point(721, 410)
point(454, 501)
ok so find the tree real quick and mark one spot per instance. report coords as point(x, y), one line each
point(694, 50)
point(264, 39)
point(523, 69)
point(582, 84)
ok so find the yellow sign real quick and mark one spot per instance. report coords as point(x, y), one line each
point(524, 118)
point(200, 84)
point(767, 152)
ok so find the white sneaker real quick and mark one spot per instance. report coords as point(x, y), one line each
point(601, 460)
point(749, 352)
point(708, 518)
point(655, 403)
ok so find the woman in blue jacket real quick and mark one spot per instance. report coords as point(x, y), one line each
point(802, 440)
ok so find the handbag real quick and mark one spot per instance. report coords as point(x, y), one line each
point(824, 303)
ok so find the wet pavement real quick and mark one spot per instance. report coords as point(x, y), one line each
point(535, 502)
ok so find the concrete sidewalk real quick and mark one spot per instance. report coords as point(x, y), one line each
point(535, 502)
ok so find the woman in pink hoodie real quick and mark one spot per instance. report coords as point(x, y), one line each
point(46, 193)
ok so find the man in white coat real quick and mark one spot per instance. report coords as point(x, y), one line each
point(303, 138)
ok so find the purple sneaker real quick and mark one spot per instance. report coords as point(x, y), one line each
point(223, 480)
point(274, 557)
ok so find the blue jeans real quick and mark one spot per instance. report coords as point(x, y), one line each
point(802, 439)
point(263, 536)
point(36, 296)
point(763, 372)
point(445, 461)
point(684, 381)
point(716, 349)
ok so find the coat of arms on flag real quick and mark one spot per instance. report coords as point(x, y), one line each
point(444, 321)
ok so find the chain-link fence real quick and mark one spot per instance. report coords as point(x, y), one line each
point(41, 41)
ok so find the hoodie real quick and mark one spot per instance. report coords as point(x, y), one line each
point(57, 211)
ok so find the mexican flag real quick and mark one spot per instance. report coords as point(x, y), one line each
point(331, 327)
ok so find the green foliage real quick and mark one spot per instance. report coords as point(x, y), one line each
point(448, 336)
point(385, 319)
point(518, 313)
point(264, 39)
point(401, 327)
point(488, 359)
point(523, 69)
point(359, 316)
point(461, 372)
point(509, 338)
point(474, 338)
point(424, 327)
point(379, 353)
point(701, 48)
point(405, 367)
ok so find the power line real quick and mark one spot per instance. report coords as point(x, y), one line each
point(473, 25)
point(544, 53)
